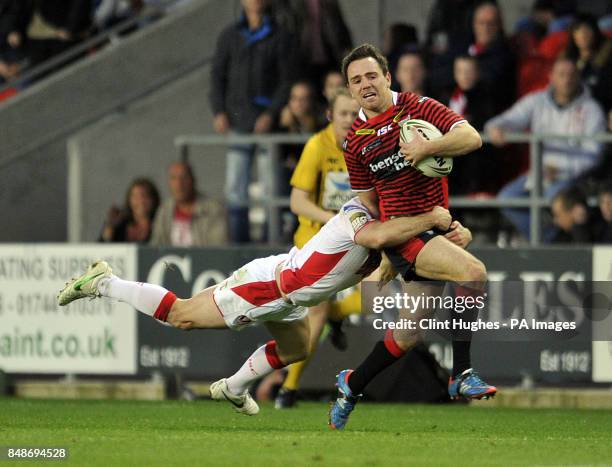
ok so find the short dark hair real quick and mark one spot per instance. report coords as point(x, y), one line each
point(605, 188)
point(361, 52)
point(571, 197)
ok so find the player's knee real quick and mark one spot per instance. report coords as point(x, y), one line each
point(476, 272)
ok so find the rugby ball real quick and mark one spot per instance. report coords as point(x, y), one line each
point(434, 166)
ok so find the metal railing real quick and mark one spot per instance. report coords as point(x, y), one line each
point(273, 202)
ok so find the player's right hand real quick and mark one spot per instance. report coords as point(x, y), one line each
point(441, 218)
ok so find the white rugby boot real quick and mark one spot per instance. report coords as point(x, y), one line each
point(243, 403)
point(85, 285)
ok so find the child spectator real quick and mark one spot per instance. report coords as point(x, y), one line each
point(472, 98)
point(488, 44)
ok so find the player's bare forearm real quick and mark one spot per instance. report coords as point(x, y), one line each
point(301, 205)
point(461, 140)
point(397, 231)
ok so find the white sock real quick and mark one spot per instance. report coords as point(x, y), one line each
point(257, 366)
point(146, 298)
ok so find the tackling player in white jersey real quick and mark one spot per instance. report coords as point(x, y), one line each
point(275, 291)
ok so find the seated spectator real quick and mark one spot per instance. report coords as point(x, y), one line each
point(566, 108)
point(488, 44)
point(604, 199)
point(134, 222)
point(592, 53)
point(332, 81)
point(188, 218)
point(571, 216)
point(411, 73)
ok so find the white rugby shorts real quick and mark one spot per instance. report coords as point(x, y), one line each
point(251, 296)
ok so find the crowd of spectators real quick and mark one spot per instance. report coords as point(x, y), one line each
point(550, 74)
point(33, 31)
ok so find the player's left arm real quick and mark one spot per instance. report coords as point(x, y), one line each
point(461, 139)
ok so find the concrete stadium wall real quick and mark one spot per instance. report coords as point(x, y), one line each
point(139, 142)
point(81, 94)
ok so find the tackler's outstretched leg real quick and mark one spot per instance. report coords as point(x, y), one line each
point(153, 300)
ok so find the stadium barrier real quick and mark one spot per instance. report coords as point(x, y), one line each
point(274, 203)
point(101, 337)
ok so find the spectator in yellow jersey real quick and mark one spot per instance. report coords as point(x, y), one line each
point(320, 186)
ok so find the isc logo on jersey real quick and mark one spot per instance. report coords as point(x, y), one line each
point(385, 129)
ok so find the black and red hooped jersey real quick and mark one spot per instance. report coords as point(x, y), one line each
point(371, 151)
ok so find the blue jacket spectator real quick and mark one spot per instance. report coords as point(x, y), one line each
point(250, 81)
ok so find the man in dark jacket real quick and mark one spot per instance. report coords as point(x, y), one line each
point(250, 80)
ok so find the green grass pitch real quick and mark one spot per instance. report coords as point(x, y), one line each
point(206, 433)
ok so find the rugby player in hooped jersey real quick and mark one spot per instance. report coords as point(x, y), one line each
point(273, 291)
point(381, 170)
